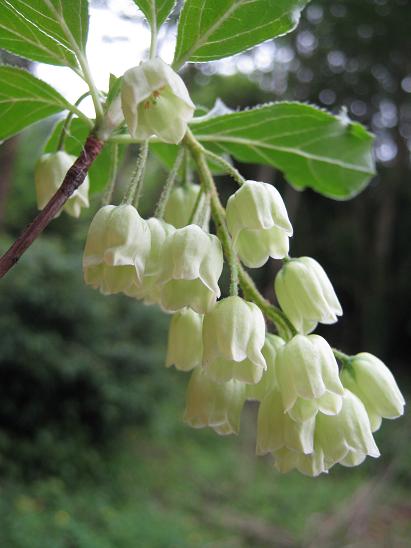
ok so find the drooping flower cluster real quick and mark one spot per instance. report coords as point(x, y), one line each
point(311, 416)
point(307, 420)
point(151, 260)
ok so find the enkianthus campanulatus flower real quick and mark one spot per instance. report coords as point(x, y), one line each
point(307, 374)
point(217, 405)
point(117, 246)
point(306, 294)
point(259, 224)
point(371, 380)
point(155, 101)
point(192, 263)
point(185, 340)
point(233, 338)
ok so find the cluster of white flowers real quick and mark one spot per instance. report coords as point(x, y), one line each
point(311, 416)
point(152, 260)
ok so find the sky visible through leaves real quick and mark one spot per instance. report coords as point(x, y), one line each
point(119, 39)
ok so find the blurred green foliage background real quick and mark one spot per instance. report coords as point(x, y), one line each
point(93, 452)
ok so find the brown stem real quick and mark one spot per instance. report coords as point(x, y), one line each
point(73, 179)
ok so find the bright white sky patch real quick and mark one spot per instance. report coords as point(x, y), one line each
point(119, 39)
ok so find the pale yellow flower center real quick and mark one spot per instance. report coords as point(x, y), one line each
point(152, 100)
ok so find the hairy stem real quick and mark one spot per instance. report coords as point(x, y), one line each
point(231, 170)
point(108, 195)
point(73, 179)
point(168, 187)
point(195, 211)
point(134, 190)
point(250, 291)
point(187, 177)
point(217, 210)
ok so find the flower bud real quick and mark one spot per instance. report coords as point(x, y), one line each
point(185, 340)
point(155, 101)
point(306, 295)
point(259, 224)
point(181, 204)
point(217, 405)
point(346, 436)
point(275, 429)
point(117, 245)
point(233, 337)
point(268, 381)
point(50, 172)
point(149, 289)
point(371, 380)
point(307, 374)
point(192, 263)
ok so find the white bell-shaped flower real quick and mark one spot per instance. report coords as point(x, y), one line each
point(268, 382)
point(306, 294)
point(345, 437)
point(192, 263)
point(217, 405)
point(371, 380)
point(233, 338)
point(185, 340)
point(276, 430)
point(155, 101)
point(258, 222)
point(50, 172)
point(307, 375)
point(180, 206)
point(117, 246)
point(149, 289)
point(311, 464)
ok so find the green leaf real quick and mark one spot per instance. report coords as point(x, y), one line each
point(48, 31)
point(213, 29)
point(166, 153)
point(100, 170)
point(313, 148)
point(24, 99)
point(157, 10)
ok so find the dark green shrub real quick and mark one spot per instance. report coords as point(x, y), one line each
point(75, 367)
